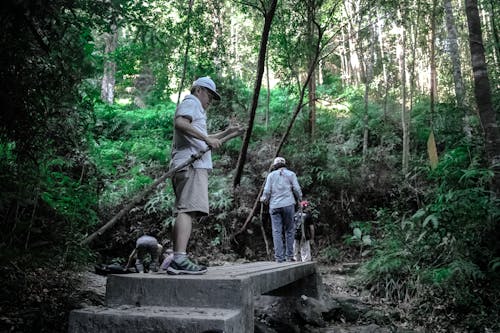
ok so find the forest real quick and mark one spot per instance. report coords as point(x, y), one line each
point(387, 111)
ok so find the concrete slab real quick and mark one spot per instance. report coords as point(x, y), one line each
point(223, 298)
point(130, 319)
point(221, 286)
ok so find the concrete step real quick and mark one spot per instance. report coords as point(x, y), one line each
point(226, 287)
point(223, 299)
point(152, 319)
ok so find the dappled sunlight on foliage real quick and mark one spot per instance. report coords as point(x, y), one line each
point(443, 247)
point(427, 236)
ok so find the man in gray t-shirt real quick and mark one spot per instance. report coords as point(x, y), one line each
point(191, 183)
point(281, 191)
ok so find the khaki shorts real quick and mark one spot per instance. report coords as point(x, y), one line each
point(191, 191)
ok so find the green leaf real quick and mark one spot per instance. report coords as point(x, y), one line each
point(357, 233)
point(431, 218)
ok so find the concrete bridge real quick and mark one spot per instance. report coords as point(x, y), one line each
point(219, 301)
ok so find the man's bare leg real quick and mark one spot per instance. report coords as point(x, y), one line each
point(182, 231)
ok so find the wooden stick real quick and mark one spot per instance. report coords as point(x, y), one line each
point(263, 230)
point(139, 197)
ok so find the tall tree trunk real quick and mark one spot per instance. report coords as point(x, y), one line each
point(234, 55)
point(414, 42)
point(187, 40)
point(367, 64)
point(405, 116)
point(320, 72)
point(495, 12)
point(311, 128)
point(355, 65)
point(359, 61)
point(384, 67)
point(299, 107)
point(312, 106)
point(268, 99)
point(454, 54)
point(108, 79)
point(432, 46)
point(345, 56)
point(431, 143)
point(268, 18)
point(218, 48)
point(482, 92)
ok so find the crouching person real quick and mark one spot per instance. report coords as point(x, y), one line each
point(145, 245)
point(304, 233)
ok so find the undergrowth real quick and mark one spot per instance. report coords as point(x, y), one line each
point(440, 258)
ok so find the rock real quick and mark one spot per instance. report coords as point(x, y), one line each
point(311, 310)
point(262, 328)
point(377, 317)
point(355, 329)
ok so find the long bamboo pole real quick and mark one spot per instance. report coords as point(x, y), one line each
point(139, 197)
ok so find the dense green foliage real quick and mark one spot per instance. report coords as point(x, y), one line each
point(69, 162)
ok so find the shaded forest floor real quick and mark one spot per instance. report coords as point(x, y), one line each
point(40, 300)
point(356, 311)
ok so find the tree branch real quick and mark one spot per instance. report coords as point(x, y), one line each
point(138, 198)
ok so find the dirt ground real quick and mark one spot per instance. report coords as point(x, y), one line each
point(336, 283)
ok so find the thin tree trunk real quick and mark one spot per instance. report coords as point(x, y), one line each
point(108, 79)
point(312, 82)
point(186, 51)
point(415, 31)
point(482, 92)
point(346, 64)
point(234, 54)
point(217, 42)
point(368, 76)
point(312, 107)
point(431, 142)
point(454, 54)
point(142, 195)
point(494, 30)
point(320, 72)
point(384, 67)
point(268, 99)
point(299, 107)
point(432, 42)
point(405, 117)
point(353, 38)
point(359, 62)
point(268, 18)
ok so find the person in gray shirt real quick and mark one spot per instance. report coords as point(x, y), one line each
point(191, 183)
point(281, 192)
point(143, 246)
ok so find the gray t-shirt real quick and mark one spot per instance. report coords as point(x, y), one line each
point(146, 242)
point(281, 188)
point(184, 146)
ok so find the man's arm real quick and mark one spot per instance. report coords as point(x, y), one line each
point(311, 227)
point(231, 129)
point(296, 188)
point(132, 256)
point(311, 230)
point(183, 124)
point(266, 193)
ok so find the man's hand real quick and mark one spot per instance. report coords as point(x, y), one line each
point(235, 128)
point(213, 142)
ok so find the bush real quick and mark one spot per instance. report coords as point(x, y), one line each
point(444, 248)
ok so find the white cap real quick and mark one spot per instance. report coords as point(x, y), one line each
point(279, 160)
point(208, 83)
